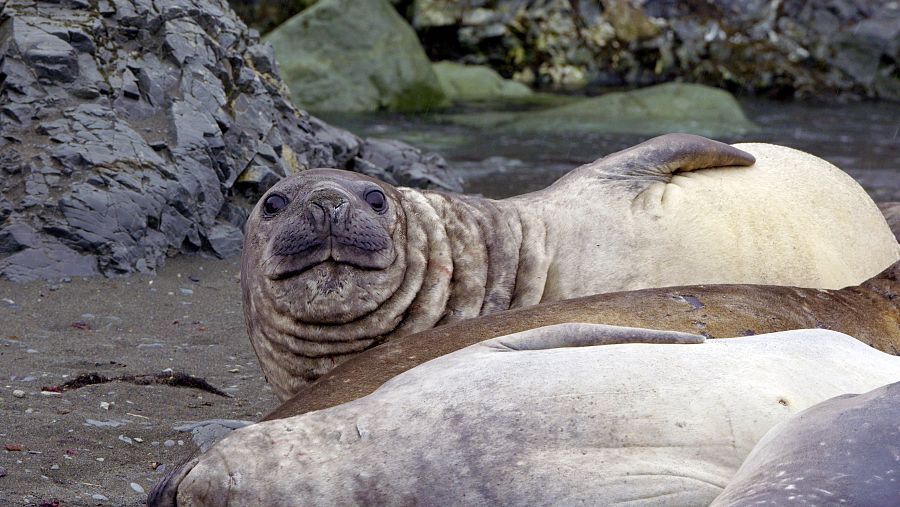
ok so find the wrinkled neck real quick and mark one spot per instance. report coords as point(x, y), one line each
point(475, 258)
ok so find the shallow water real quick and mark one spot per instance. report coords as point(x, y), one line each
point(862, 139)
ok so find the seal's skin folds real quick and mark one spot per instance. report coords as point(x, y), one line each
point(334, 270)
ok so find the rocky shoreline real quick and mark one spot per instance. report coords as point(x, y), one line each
point(135, 130)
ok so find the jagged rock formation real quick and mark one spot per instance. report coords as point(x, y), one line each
point(133, 129)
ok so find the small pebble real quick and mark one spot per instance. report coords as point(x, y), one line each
point(18, 393)
point(125, 439)
point(186, 292)
point(2, 472)
point(98, 497)
point(138, 439)
point(54, 287)
point(54, 467)
point(137, 488)
point(104, 405)
point(101, 460)
point(169, 443)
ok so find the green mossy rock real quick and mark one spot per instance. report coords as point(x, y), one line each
point(355, 56)
point(476, 82)
point(671, 107)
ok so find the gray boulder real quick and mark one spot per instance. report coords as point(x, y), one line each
point(670, 107)
point(134, 129)
point(476, 82)
point(350, 55)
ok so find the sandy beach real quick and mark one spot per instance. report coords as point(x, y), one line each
point(107, 444)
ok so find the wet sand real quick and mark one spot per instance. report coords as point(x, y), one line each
point(73, 445)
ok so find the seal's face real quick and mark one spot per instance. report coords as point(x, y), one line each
point(325, 245)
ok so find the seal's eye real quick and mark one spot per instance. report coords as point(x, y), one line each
point(376, 200)
point(274, 203)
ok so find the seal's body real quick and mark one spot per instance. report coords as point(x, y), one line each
point(561, 415)
point(869, 312)
point(842, 451)
point(335, 262)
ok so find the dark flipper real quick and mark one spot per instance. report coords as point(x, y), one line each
point(661, 157)
point(576, 334)
point(165, 493)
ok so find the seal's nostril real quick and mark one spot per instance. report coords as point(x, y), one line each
point(319, 213)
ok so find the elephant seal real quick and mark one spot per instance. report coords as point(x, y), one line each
point(335, 262)
point(843, 451)
point(869, 312)
point(554, 415)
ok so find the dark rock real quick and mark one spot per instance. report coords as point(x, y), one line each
point(47, 260)
point(15, 237)
point(828, 48)
point(405, 165)
point(132, 130)
point(225, 240)
point(206, 433)
point(234, 214)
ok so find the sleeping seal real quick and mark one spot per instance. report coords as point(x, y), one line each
point(335, 262)
point(569, 414)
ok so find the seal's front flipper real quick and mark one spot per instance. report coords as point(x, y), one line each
point(165, 493)
point(661, 157)
point(578, 334)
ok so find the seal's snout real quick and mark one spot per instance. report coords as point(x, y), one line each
point(330, 224)
point(327, 207)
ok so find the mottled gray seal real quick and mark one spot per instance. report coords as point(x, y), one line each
point(544, 417)
point(843, 451)
point(335, 262)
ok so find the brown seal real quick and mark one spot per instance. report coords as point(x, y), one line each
point(891, 212)
point(869, 312)
point(335, 262)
